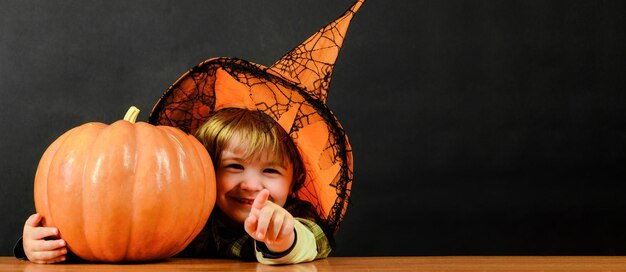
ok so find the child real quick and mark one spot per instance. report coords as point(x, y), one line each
point(258, 170)
point(283, 161)
point(256, 160)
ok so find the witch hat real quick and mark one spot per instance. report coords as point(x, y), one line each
point(293, 92)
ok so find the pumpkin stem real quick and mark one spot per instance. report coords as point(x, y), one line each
point(131, 114)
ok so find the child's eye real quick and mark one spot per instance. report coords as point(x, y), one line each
point(234, 166)
point(271, 171)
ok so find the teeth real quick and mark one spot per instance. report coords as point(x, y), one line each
point(244, 201)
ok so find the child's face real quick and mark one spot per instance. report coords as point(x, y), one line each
point(239, 182)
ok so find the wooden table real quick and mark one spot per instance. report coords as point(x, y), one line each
point(360, 264)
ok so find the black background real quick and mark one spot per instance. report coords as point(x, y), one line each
point(479, 127)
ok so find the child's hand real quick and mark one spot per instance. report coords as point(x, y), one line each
point(270, 224)
point(39, 250)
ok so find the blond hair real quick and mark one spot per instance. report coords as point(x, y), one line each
point(256, 133)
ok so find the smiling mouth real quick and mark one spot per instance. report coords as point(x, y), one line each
point(243, 201)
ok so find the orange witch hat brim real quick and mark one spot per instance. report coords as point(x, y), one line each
point(293, 92)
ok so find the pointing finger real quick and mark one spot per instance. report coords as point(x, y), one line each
point(261, 199)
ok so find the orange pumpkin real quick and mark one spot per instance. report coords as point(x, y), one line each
point(125, 192)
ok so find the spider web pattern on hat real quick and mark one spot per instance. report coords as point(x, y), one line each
point(293, 91)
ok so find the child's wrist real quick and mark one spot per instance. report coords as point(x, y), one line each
point(273, 252)
point(283, 246)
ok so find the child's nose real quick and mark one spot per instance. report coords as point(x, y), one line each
point(252, 182)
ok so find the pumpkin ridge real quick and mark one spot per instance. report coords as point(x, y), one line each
point(176, 143)
point(203, 181)
point(143, 190)
point(199, 173)
point(97, 130)
point(42, 175)
point(167, 224)
point(132, 194)
point(93, 128)
point(85, 211)
point(203, 205)
point(108, 145)
point(172, 167)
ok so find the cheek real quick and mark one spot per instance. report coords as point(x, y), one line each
point(222, 188)
point(223, 184)
point(279, 192)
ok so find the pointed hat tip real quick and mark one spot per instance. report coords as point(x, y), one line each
point(310, 64)
point(356, 6)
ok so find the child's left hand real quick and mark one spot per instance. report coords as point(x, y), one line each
point(270, 223)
